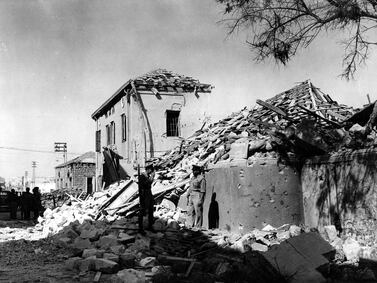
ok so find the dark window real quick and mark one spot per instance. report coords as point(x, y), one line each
point(98, 141)
point(172, 123)
point(124, 127)
point(112, 130)
point(108, 134)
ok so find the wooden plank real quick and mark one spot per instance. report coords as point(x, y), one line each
point(318, 116)
point(273, 108)
point(187, 274)
point(176, 258)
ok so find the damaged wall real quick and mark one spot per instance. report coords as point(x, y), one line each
point(252, 196)
point(340, 189)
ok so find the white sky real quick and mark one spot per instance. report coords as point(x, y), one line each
point(60, 60)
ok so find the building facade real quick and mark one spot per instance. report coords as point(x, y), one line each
point(77, 175)
point(148, 116)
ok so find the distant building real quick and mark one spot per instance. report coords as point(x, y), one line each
point(146, 117)
point(77, 174)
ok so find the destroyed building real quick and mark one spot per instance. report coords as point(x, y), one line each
point(144, 118)
point(77, 174)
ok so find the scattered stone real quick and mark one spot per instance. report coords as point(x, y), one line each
point(63, 242)
point(118, 249)
point(331, 233)
point(124, 238)
point(92, 234)
point(82, 244)
point(259, 247)
point(129, 276)
point(72, 263)
point(294, 230)
point(87, 264)
point(92, 252)
point(147, 262)
point(127, 260)
point(105, 265)
point(106, 242)
point(351, 249)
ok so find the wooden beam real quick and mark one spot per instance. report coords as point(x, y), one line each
point(273, 108)
point(318, 116)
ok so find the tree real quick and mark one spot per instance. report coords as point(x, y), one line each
point(280, 27)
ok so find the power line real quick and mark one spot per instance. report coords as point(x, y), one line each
point(34, 150)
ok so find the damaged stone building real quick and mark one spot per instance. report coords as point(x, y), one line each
point(144, 118)
point(77, 175)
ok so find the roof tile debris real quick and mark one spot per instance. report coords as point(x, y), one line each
point(167, 81)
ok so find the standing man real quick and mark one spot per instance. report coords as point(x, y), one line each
point(13, 203)
point(195, 196)
point(146, 198)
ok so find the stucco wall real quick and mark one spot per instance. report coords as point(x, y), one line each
point(340, 188)
point(251, 197)
point(82, 171)
point(193, 111)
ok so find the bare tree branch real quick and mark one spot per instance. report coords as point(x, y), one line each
point(280, 28)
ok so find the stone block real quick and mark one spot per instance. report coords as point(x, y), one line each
point(82, 244)
point(93, 234)
point(63, 242)
point(105, 242)
point(72, 263)
point(148, 262)
point(129, 276)
point(87, 264)
point(105, 265)
point(70, 233)
point(127, 260)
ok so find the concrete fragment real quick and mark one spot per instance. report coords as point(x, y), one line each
point(259, 247)
point(105, 265)
point(129, 276)
point(351, 249)
point(72, 263)
point(294, 230)
point(148, 262)
point(331, 233)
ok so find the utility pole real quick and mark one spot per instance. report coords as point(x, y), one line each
point(33, 165)
point(61, 147)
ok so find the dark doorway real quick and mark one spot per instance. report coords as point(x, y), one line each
point(89, 185)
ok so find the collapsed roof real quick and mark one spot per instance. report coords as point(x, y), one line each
point(157, 81)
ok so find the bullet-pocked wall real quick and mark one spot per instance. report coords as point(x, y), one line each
point(341, 190)
point(251, 197)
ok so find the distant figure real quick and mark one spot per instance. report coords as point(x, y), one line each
point(37, 204)
point(146, 197)
point(213, 213)
point(13, 203)
point(195, 196)
point(26, 203)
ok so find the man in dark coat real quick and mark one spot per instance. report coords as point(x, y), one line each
point(146, 197)
point(26, 203)
point(37, 204)
point(13, 203)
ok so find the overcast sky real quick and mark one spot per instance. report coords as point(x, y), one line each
point(60, 60)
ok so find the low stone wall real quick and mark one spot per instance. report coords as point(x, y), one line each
point(250, 197)
point(341, 190)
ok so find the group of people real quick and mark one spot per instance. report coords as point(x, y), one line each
point(28, 202)
point(195, 198)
